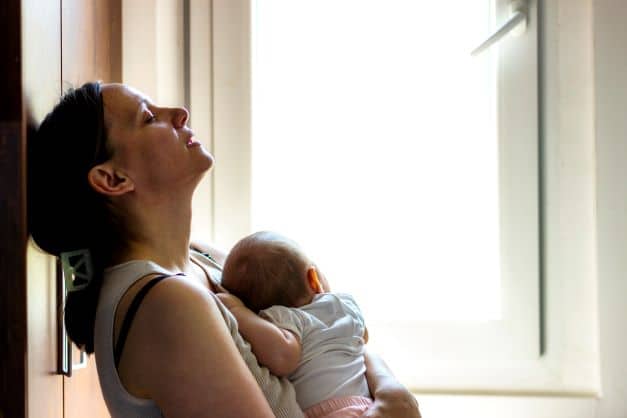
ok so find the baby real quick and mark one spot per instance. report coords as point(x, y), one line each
point(302, 331)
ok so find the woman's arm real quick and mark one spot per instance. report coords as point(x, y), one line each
point(276, 348)
point(185, 359)
point(391, 399)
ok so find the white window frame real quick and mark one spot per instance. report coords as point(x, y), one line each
point(564, 362)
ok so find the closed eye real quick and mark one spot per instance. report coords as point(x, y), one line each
point(150, 118)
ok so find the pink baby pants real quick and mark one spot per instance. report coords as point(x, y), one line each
point(347, 407)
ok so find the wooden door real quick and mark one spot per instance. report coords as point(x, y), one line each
point(91, 50)
point(41, 79)
point(64, 43)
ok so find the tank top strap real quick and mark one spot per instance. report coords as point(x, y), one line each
point(132, 311)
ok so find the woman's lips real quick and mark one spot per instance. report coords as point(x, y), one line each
point(191, 142)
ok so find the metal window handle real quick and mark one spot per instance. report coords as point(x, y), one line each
point(82, 363)
point(518, 19)
point(66, 366)
point(64, 346)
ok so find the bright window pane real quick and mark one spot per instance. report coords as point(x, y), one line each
point(374, 145)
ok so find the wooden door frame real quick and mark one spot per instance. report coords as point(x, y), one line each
point(13, 228)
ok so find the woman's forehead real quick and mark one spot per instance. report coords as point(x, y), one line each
point(121, 102)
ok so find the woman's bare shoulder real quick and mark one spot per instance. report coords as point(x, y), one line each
point(183, 355)
point(173, 308)
point(162, 317)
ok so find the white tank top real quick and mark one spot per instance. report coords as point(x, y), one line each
point(121, 404)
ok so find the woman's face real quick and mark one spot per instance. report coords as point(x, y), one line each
point(151, 144)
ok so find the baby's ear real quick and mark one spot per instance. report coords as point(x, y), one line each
point(313, 281)
point(106, 179)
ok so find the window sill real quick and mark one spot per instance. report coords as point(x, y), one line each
point(493, 406)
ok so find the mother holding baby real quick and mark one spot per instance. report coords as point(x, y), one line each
point(110, 182)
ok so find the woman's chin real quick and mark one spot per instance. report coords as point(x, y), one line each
point(207, 160)
point(209, 164)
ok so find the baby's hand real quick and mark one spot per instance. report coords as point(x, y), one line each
point(230, 301)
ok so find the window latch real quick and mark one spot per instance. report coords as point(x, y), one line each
point(516, 24)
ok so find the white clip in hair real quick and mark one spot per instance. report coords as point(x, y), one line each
point(78, 269)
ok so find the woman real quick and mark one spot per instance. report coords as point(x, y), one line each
point(111, 178)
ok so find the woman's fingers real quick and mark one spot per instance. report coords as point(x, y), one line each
point(404, 406)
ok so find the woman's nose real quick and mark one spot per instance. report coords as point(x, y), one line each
point(180, 117)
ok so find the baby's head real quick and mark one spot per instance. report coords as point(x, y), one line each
point(265, 269)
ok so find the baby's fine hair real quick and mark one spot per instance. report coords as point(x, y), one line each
point(266, 269)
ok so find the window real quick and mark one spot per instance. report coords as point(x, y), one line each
point(354, 154)
point(306, 98)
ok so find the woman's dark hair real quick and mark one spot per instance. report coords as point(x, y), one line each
point(64, 212)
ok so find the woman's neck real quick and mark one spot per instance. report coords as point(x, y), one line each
point(161, 234)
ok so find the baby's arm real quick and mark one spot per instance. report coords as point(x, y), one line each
point(276, 348)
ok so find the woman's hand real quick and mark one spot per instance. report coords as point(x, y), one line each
point(391, 399)
point(393, 403)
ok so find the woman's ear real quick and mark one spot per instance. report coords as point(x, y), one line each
point(105, 179)
point(313, 281)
